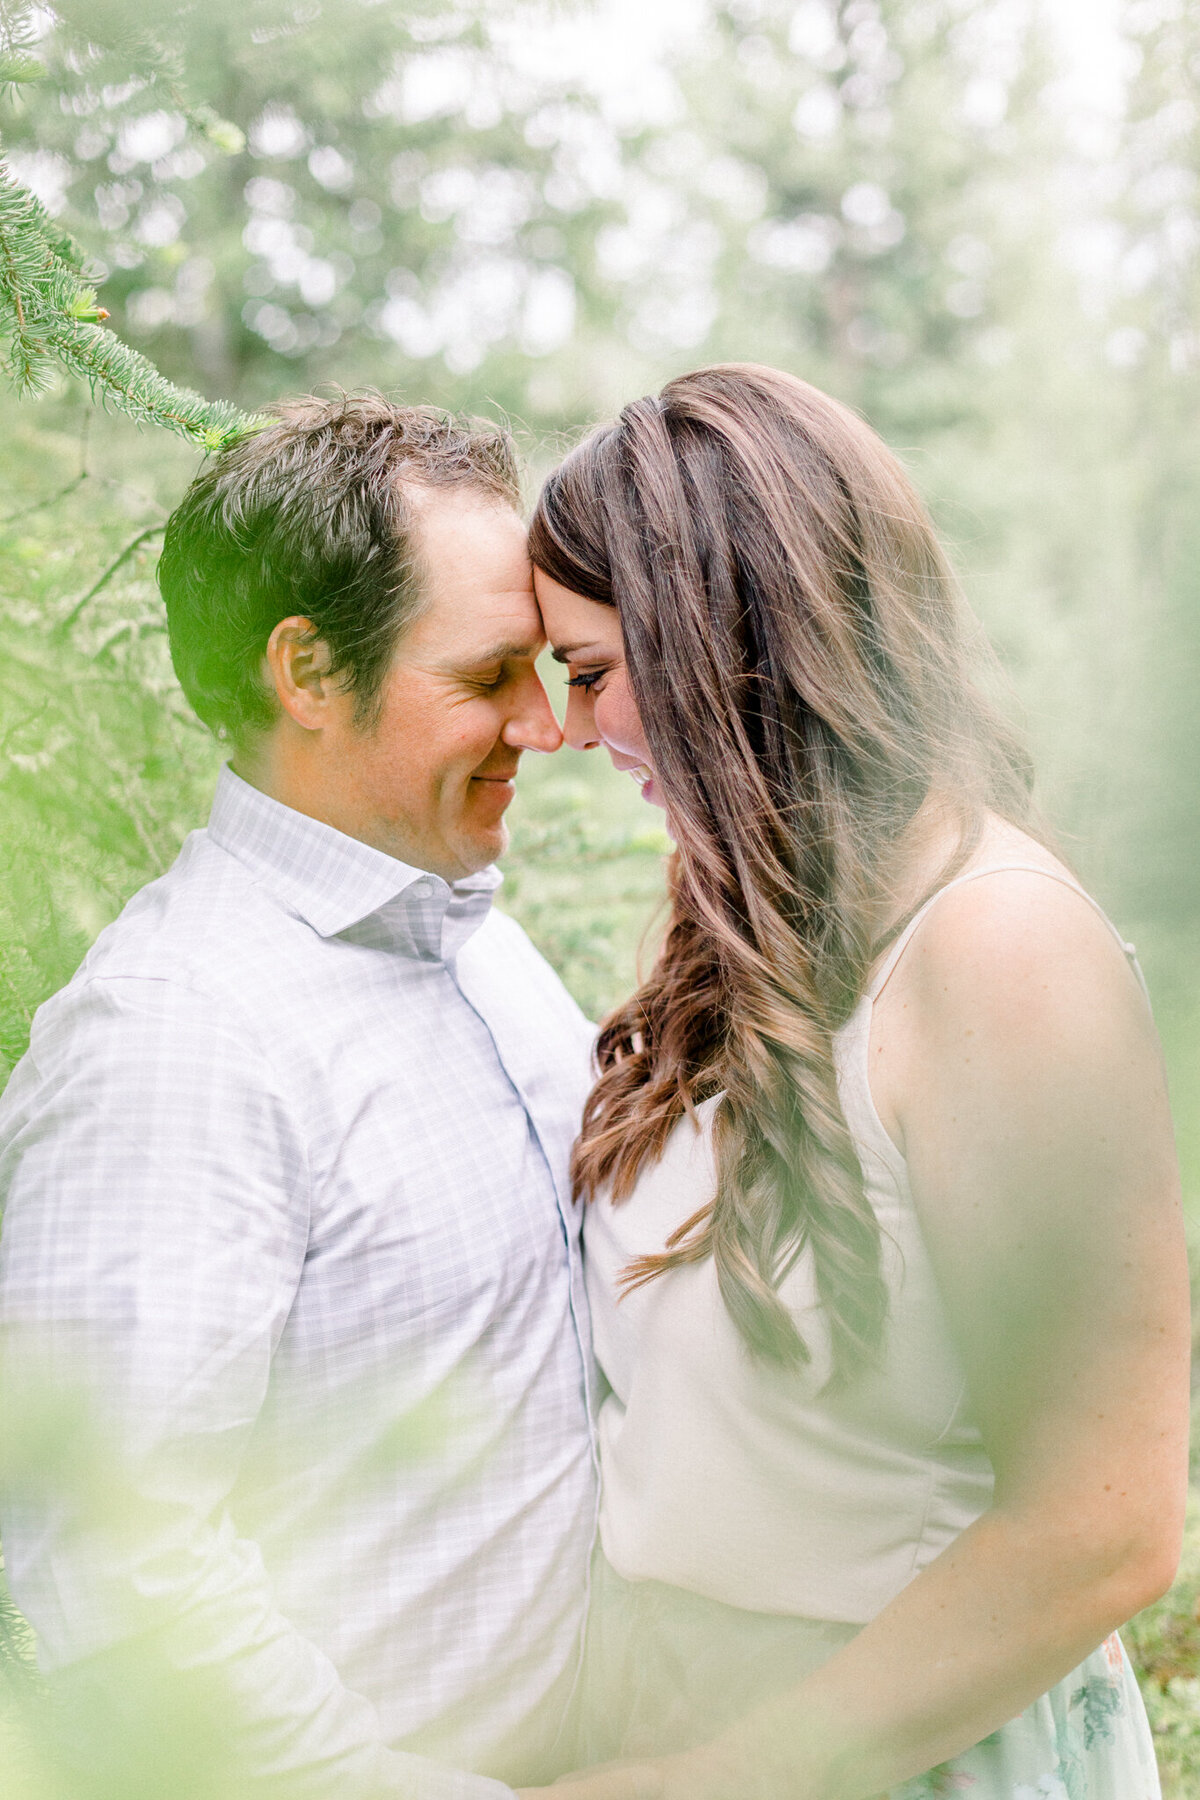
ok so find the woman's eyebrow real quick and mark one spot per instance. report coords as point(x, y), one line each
point(569, 652)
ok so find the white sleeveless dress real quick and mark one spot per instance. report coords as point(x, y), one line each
point(750, 1524)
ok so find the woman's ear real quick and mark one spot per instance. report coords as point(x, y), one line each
point(296, 665)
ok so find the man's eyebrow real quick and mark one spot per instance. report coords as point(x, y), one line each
point(504, 652)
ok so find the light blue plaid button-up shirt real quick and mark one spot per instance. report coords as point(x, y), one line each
point(285, 1170)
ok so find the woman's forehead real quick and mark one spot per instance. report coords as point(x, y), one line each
point(572, 620)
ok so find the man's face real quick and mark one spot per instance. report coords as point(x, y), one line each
point(430, 780)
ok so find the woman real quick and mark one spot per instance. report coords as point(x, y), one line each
point(885, 1255)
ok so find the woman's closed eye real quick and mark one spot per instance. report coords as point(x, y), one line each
point(586, 679)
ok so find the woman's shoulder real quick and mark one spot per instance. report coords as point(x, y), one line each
point(1013, 981)
point(1015, 937)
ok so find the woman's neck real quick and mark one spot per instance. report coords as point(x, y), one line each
point(936, 845)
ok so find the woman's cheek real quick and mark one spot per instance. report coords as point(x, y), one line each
point(617, 720)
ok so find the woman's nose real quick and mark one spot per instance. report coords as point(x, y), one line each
point(579, 726)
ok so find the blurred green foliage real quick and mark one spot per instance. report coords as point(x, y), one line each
point(508, 207)
point(104, 769)
point(514, 208)
point(1164, 1643)
point(50, 317)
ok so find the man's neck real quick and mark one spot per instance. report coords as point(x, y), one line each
point(295, 780)
point(299, 783)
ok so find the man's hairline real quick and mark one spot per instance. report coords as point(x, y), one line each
point(421, 490)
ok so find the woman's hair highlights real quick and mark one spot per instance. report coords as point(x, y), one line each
point(798, 651)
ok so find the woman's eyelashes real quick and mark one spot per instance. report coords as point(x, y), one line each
point(586, 680)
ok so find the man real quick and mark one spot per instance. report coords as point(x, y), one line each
point(285, 1170)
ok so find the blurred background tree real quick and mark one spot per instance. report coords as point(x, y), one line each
point(539, 210)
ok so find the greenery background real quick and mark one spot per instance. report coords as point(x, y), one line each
point(527, 210)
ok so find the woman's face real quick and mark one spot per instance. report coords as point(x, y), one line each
point(586, 636)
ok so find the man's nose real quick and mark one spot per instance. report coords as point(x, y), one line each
point(533, 725)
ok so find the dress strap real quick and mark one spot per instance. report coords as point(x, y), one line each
point(887, 967)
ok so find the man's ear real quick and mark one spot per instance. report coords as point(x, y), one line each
point(297, 665)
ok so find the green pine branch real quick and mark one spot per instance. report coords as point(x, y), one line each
point(127, 380)
point(19, 61)
point(50, 320)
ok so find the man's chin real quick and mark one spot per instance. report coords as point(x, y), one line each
point(481, 849)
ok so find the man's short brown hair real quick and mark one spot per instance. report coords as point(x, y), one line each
point(309, 517)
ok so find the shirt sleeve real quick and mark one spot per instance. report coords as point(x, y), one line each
point(155, 1224)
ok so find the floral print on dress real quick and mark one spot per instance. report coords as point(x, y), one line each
point(1087, 1739)
point(1101, 1702)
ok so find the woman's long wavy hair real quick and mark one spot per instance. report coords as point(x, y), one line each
point(798, 651)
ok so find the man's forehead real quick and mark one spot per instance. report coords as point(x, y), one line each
point(479, 608)
point(474, 639)
point(464, 539)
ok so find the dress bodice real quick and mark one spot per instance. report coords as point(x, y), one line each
point(749, 1483)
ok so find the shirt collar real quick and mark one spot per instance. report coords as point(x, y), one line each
point(342, 887)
